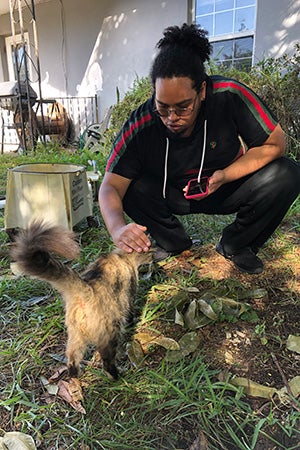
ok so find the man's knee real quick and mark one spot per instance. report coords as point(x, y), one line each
point(281, 175)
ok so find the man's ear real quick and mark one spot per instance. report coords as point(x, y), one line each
point(203, 91)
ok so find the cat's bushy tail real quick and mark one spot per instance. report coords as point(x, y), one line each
point(36, 248)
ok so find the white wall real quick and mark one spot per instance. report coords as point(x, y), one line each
point(96, 46)
point(277, 28)
point(124, 45)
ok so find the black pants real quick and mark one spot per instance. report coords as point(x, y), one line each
point(260, 200)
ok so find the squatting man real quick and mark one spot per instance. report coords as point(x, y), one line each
point(207, 128)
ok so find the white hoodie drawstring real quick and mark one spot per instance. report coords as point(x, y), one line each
point(166, 168)
point(201, 164)
point(203, 151)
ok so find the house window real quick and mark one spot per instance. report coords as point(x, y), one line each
point(231, 26)
point(16, 59)
point(234, 52)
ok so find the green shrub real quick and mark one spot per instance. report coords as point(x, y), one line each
point(138, 94)
point(277, 82)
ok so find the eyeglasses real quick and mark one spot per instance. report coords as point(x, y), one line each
point(180, 111)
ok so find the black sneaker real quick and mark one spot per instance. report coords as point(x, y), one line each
point(197, 243)
point(159, 254)
point(245, 259)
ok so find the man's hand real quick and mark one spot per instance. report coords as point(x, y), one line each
point(131, 238)
point(215, 181)
point(254, 159)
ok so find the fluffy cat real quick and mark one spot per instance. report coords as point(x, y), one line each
point(98, 302)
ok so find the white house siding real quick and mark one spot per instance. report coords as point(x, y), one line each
point(277, 28)
point(96, 46)
point(89, 47)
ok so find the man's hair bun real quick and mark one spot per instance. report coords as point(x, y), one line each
point(191, 37)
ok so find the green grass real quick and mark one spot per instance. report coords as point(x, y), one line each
point(158, 405)
point(49, 153)
point(148, 408)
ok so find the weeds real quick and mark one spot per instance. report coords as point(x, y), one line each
point(155, 407)
point(158, 405)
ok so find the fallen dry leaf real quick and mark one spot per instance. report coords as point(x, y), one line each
point(58, 374)
point(200, 443)
point(252, 388)
point(15, 440)
point(258, 390)
point(71, 392)
point(51, 388)
point(135, 353)
point(293, 343)
point(146, 339)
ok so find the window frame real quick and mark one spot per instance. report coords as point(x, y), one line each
point(235, 60)
point(233, 36)
point(9, 43)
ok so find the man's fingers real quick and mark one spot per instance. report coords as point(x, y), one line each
point(133, 238)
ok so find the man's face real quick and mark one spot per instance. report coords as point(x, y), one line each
point(178, 103)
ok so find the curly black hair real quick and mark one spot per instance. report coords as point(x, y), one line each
point(182, 53)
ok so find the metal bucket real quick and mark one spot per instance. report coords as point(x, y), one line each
point(56, 193)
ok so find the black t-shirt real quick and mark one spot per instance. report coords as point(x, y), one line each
point(232, 112)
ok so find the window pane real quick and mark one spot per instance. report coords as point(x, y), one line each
point(204, 7)
point(206, 22)
point(243, 64)
point(234, 52)
point(240, 3)
point(223, 50)
point(224, 23)
point(243, 47)
point(221, 5)
point(18, 58)
point(244, 19)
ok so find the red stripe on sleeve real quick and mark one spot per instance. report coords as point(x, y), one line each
point(250, 97)
point(126, 134)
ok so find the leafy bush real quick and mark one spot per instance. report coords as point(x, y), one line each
point(138, 94)
point(275, 80)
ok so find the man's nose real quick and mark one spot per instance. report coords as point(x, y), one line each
point(172, 114)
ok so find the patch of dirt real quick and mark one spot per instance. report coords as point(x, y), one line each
point(252, 350)
point(258, 350)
